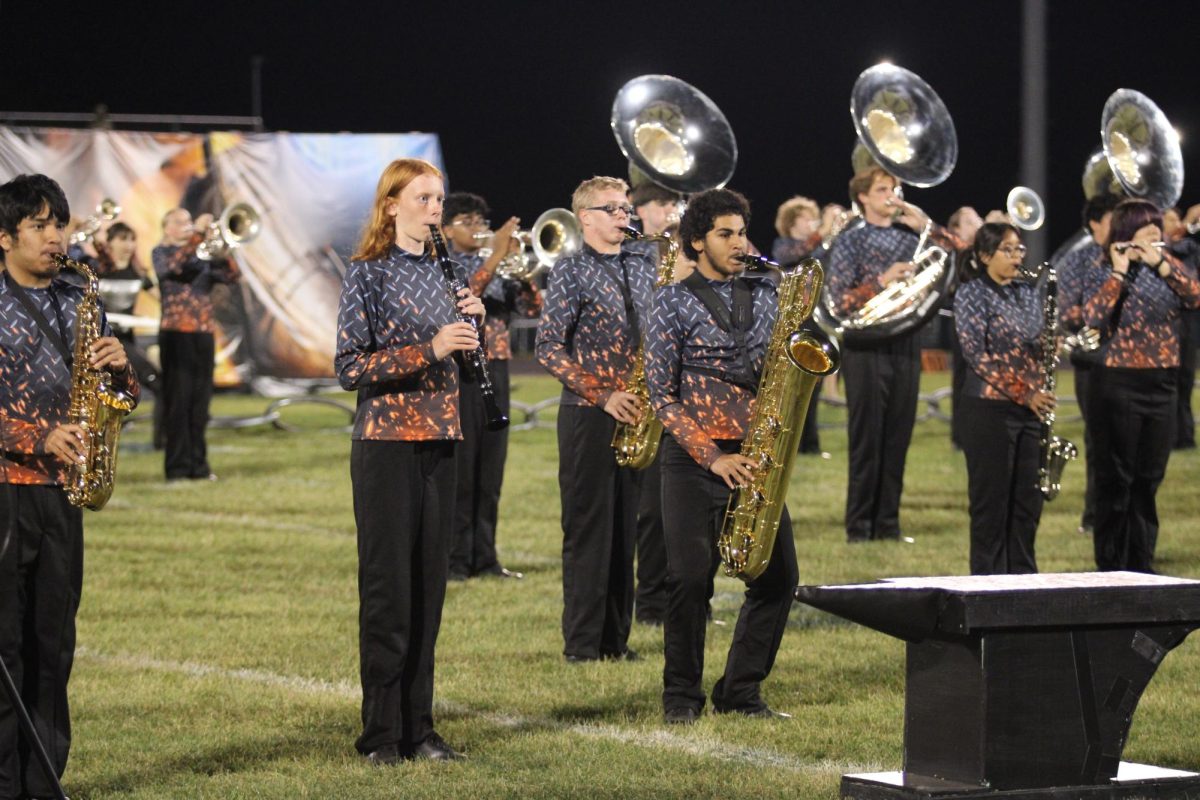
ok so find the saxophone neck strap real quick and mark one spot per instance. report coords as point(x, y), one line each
point(57, 338)
point(631, 314)
point(736, 321)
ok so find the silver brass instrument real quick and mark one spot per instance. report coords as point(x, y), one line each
point(674, 134)
point(904, 127)
point(107, 211)
point(555, 234)
point(1025, 208)
point(1141, 148)
point(1056, 451)
point(238, 225)
point(96, 405)
point(795, 360)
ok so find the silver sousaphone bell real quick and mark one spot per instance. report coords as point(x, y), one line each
point(673, 134)
point(1142, 148)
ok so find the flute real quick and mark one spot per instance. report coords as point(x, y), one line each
point(475, 359)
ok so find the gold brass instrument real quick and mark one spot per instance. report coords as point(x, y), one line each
point(1025, 208)
point(107, 211)
point(238, 225)
point(904, 127)
point(795, 361)
point(1056, 451)
point(636, 444)
point(96, 405)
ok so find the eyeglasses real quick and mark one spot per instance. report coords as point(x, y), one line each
point(473, 222)
point(1013, 250)
point(612, 210)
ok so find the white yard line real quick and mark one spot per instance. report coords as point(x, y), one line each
point(703, 746)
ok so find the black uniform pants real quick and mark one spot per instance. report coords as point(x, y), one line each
point(694, 501)
point(480, 457)
point(403, 508)
point(149, 378)
point(1002, 443)
point(1083, 386)
point(1134, 412)
point(41, 577)
point(599, 521)
point(881, 400)
point(650, 600)
point(187, 377)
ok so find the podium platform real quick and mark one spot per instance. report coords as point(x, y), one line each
point(1022, 686)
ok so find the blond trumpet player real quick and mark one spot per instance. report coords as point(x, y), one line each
point(185, 338)
point(481, 455)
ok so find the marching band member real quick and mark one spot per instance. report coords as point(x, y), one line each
point(707, 343)
point(1186, 247)
point(116, 258)
point(1136, 306)
point(397, 331)
point(185, 340)
point(999, 325)
point(41, 533)
point(657, 208)
point(797, 221)
point(1073, 274)
point(882, 380)
point(596, 305)
point(481, 454)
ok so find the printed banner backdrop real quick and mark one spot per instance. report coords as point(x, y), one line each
point(313, 192)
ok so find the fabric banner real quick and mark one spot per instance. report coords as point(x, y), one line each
point(313, 192)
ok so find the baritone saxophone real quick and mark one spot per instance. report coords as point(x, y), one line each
point(96, 405)
point(796, 359)
point(636, 444)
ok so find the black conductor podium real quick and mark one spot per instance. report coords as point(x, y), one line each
point(1022, 686)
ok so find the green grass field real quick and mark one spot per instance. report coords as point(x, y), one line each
point(218, 636)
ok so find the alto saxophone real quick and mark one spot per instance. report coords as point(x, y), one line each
point(96, 405)
point(636, 444)
point(1056, 451)
point(796, 359)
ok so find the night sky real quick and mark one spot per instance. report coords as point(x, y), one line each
point(520, 93)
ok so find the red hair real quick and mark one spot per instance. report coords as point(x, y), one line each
point(379, 234)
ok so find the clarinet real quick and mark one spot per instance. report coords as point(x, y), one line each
point(475, 359)
point(1056, 451)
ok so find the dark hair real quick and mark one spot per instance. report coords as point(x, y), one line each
point(1129, 217)
point(119, 229)
point(25, 195)
point(987, 241)
point(459, 203)
point(1096, 207)
point(650, 192)
point(863, 180)
point(703, 210)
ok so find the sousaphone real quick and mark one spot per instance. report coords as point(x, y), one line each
point(673, 134)
point(904, 127)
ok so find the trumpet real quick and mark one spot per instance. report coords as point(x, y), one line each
point(107, 211)
point(238, 225)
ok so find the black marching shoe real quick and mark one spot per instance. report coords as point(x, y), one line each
point(684, 715)
point(434, 748)
point(385, 756)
